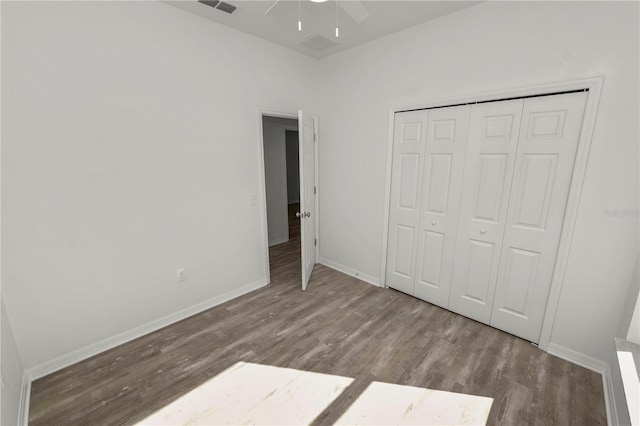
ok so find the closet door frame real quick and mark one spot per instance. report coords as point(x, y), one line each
point(594, 87)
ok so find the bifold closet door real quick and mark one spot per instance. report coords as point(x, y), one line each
point(543, 168)
point(410, 129)
point(478, 197)
point(442, 183)
point(491, 150)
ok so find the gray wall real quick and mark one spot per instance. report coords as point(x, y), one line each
point(275, 176)
point(293, 167)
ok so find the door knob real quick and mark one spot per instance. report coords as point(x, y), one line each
point(300, 215)
point(434, 223)
point(307, 214)
point(483, 231)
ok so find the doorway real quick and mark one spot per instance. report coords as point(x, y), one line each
point(280, 140)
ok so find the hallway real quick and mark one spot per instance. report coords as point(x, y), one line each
point(284, 259)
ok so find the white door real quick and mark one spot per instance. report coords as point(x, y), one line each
point(442, 185)
point(409, 137)
point(307, 196)
point(491, 149)
point(544, 165)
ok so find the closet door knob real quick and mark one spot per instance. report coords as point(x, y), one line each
point(298, 214)
point(483, 231)
point(434, 223)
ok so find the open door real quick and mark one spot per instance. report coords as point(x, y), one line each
point(307, 195)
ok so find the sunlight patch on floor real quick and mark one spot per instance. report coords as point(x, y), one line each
point(390, 404)
point(247, 393)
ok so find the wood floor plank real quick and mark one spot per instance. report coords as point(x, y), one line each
point(339, 326)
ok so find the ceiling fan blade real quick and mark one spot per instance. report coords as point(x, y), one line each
point(355, 9)
point(269, 10)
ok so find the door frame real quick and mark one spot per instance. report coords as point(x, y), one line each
point(262, 189)
point(594, 86)
point(316, 178)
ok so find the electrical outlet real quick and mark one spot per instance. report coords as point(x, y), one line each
point(182, 274)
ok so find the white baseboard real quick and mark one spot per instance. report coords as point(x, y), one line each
point(278, 240)
point(63, 361)
point(578, 358)
point(25, 397)
point(349, 271)
point(593, 365)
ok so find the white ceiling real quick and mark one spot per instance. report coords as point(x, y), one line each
point(280, 25)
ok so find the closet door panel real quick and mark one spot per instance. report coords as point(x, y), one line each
point(489, 191)
point(490, 156)
point(477, 280)
point(438, 181)
point(542, 177)
point(404, 250)
point(410, 129)
point(432, 250)
point(442, 182)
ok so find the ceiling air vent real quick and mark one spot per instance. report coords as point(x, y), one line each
point(212, 3)
point(226, 7)
point(317, 42)
point(220, 5)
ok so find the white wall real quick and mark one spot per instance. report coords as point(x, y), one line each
point(494, 45)
point(12, 373)
point(130, 147)
point(275, 173)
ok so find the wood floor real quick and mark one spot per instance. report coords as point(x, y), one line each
point(338, 326)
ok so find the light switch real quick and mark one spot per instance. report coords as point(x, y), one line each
point(182, 274)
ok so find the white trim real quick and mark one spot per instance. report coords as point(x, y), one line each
point(316, 204)
point(349, 271)
point(609, 398)
point(25, 398)
point(578, 358)
point(593, 365)
point(276, 113)
point(571, 211)
point(563, 86)
point(262, 185)
point(81, 354)
point(262, 199)
point(387, 199)
point(593, 97)
point(630, 384)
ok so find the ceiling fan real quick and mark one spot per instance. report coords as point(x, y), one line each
point(353, 8)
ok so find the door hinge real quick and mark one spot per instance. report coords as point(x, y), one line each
point(314, 136)
point(315, 241)
point(315, 190)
